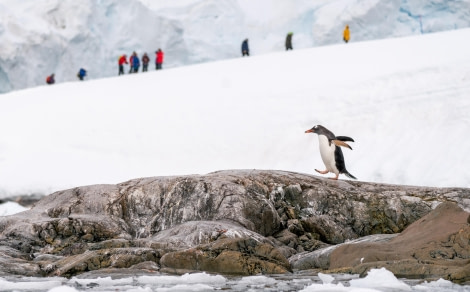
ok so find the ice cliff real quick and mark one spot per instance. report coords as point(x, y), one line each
point(60, 36)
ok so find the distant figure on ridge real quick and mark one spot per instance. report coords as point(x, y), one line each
point(289, 41)
point(135, 63)
point(145, 62)
point(122, 60)
point(81, 74)
point(346, 34)
point(50, 79)
point(131, 63)
point(159, 59)
point(245, 49)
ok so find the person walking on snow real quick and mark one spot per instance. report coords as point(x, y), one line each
point(289, 41)
point(245, 49)
point(81, 74)
point(135, 62)
point(50, 79)
point(122, 60)
point(145, 62)
point(159, 59)
point(346, 34)
point(131, 63)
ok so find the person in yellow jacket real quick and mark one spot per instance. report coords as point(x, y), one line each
point(346, 34)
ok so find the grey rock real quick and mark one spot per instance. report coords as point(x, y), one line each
point(279, 215)
point(194, 233)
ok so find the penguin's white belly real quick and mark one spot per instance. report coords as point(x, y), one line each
point(327, 153)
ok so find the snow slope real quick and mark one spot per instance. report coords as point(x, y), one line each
point(60, 36)
point(404, 101)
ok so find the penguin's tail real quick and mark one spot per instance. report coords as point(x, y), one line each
point(349, 175)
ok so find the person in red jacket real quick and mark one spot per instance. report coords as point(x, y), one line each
point(122, 60)
point(131, 63)
point(159, 59)
point(50, 79)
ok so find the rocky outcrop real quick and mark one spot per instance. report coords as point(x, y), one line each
point(439, 243)
point(241, 256)
point(237, 222)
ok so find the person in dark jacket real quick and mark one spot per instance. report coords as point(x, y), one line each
point(245, 49)
point(50, 79)
point(159, 59)
point(289, 41)
point(122, 60)
point(81, 74)
point(145, 62)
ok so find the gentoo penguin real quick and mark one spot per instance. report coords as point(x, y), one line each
point(330, 151)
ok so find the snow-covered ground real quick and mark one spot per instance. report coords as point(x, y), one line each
point(10, 208)
point(60, 36)
point(404, 101)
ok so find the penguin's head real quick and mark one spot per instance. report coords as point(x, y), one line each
point(318, 129)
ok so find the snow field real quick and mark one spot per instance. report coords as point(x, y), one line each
point(404, 101)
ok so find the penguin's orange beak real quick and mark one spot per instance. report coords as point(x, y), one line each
point(309, 131)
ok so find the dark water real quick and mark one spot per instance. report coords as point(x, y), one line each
point(378, 280)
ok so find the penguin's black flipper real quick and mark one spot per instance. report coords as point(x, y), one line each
point(344, 138)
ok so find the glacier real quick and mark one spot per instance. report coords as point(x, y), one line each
point(61, 36)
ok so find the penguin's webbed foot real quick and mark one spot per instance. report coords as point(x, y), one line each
point(335, 178)
point(321, 171)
